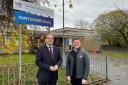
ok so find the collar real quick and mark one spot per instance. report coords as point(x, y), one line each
point(49, 46)
point(76, 49)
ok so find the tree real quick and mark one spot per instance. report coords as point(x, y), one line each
point(7, 24)
point(112, 24)
point(81, 24)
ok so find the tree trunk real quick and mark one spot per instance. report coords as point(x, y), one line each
point(109, 42)
point(124, 36)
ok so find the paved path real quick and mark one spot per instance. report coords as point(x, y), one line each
point(118, 71)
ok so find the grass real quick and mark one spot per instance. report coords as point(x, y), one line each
point(14, 59)
point(115, 54)
point(30, 59)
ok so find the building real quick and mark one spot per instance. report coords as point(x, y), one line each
point(89, 38)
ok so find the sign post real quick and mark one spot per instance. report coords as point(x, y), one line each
point(32, 8)
point(27, 18)
point(29, 13)
point(20, 54)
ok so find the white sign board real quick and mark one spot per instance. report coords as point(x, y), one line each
point(36, 28)
point(70, 41)
point(33, 8)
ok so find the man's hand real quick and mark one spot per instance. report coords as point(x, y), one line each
point(84, 81)
point(68, 78)
point(54, 68)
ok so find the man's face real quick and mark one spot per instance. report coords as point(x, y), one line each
point(76, 43)
point(49, 39)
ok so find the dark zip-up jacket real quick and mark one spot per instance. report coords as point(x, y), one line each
point(83, 64)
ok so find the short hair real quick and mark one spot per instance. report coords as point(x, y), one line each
point(76, 39)
point(47, 35)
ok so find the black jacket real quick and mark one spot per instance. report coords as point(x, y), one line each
point(83, 64)
point(44, 61)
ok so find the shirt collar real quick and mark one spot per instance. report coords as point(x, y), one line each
point(76, 49)
point(49, 46)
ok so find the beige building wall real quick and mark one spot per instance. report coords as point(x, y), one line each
point(90, 44)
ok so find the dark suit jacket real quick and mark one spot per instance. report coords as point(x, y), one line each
point(44, 60)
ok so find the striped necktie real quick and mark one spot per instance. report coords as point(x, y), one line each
point(50, 50)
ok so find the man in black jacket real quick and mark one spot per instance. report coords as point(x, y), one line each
point(78, 64)
point(48, 60)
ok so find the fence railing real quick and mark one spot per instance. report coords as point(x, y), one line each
point(115, 49)
point(99, 67)
point(9, 73)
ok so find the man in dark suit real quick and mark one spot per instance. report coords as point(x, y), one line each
point(48, 60)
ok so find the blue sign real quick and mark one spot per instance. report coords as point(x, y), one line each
point(66, 41)
point(27, 18)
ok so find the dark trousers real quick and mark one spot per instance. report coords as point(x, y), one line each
point(76, 81)
point(48, 83)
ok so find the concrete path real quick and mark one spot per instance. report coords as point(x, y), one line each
point(117, 71)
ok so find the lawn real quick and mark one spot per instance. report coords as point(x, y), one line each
point(14, 59)
point(115, 54)
point(29, 69)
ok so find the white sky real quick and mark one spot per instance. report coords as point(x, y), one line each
point(87, 10)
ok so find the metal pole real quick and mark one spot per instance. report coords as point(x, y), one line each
point(20, 52)
point(9, 75)
point(106, 67)
point(63, 36)
point(49, 29)
point(3, 74)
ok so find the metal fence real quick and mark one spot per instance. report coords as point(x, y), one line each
point(98, 68)
point(9, 73)
point(115, 49)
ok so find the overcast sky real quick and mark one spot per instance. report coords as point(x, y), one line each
point(87, 10)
